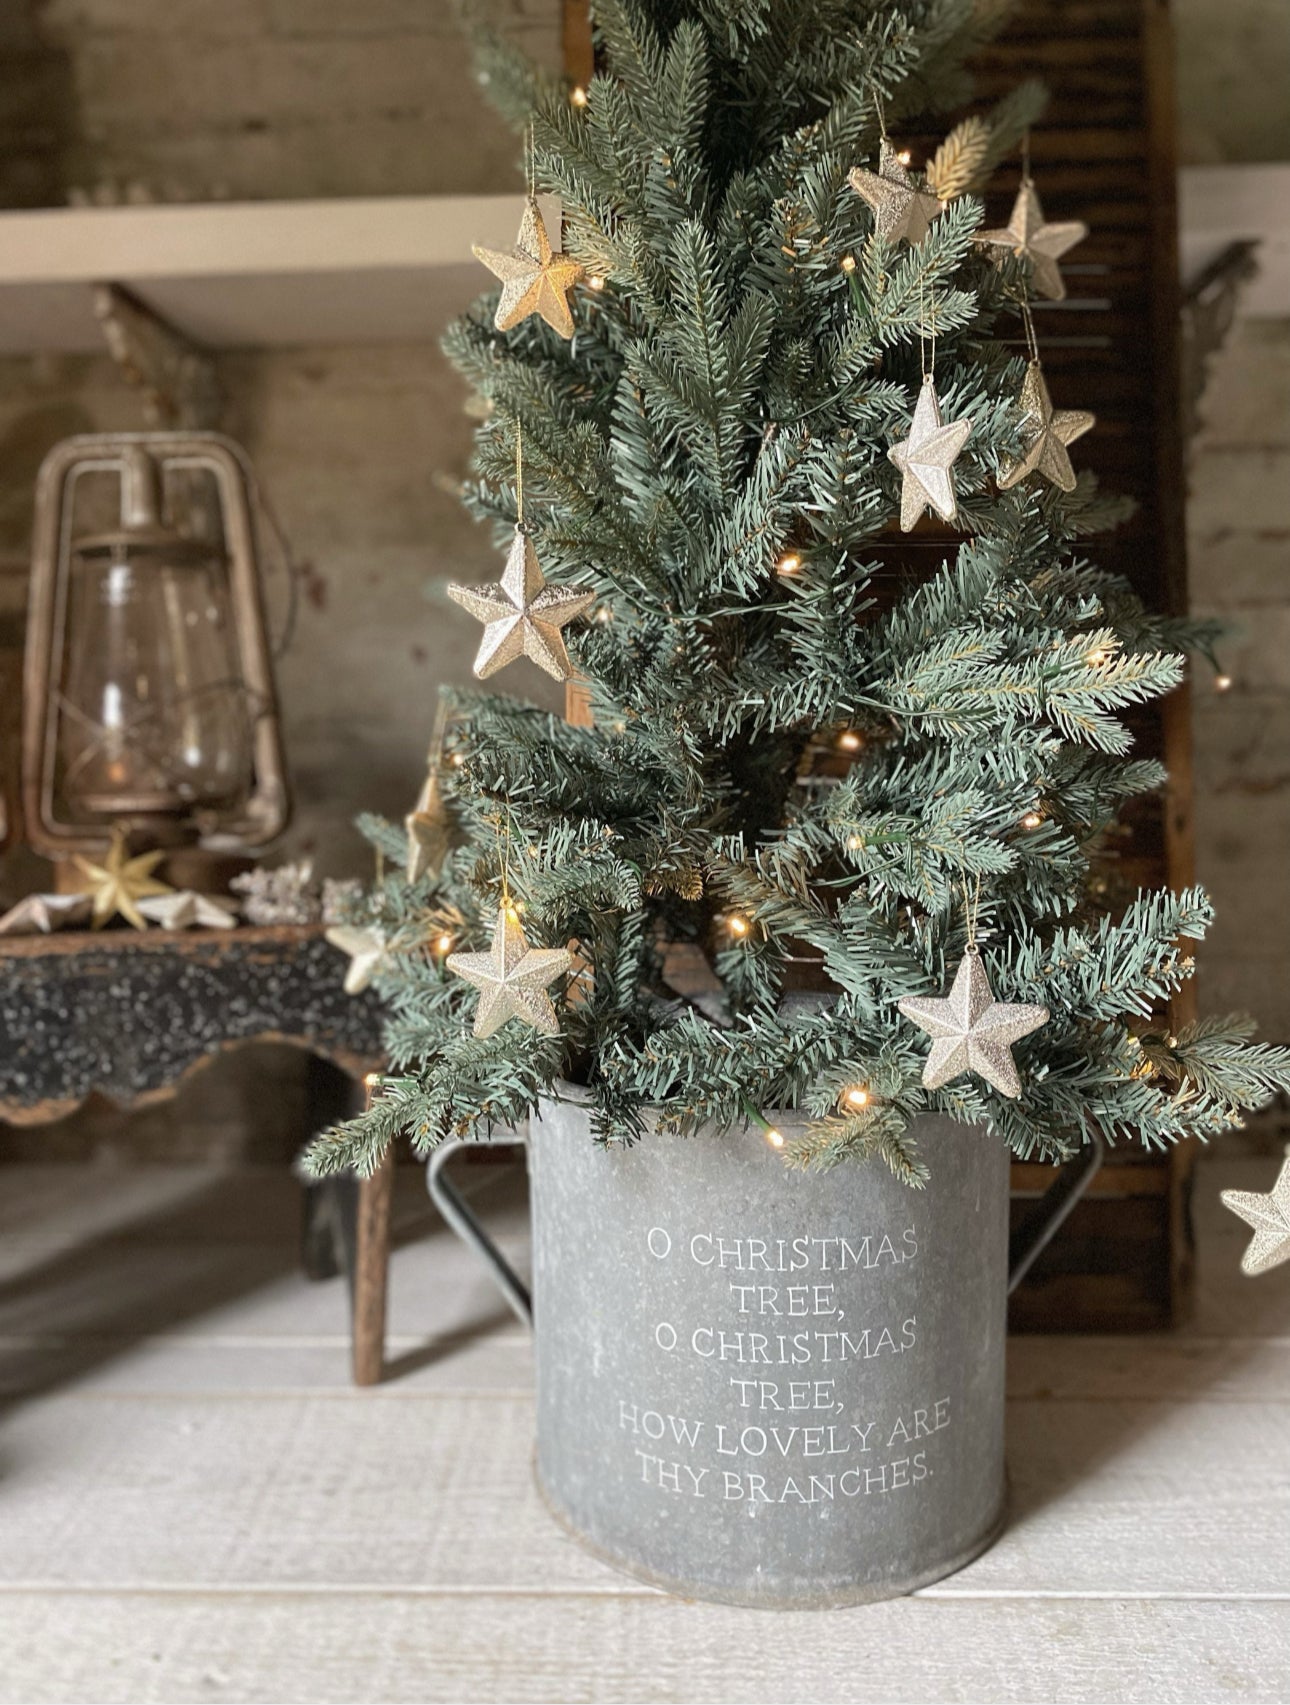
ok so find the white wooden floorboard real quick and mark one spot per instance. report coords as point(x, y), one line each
point(435, 1491)
point(145, 1648)
point(495, 1357)
point(195, 1504)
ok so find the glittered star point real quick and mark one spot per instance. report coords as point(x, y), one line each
point(187, 910)
point(926, 459)
point(1030, 237)
point(971, 1031)
point(536, 279)
point(900, 207)
point(512, 978)
point(523, 616)
point(1045, 433)
point(1269, 1214)
point(116, 885)
point(367, 950)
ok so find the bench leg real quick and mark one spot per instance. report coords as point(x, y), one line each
point(370, 1273)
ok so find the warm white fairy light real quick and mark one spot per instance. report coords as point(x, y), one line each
point(737, 925)
point(848, 263)
point(857, 1096)
point(577, 96)
point(774, 1138)
point(855, 842)
point(789, 563)
point(1222, 683)
point(596, 282)
point(1031, 820)
point(904, 156)
point(443, 944)
point(849, 740)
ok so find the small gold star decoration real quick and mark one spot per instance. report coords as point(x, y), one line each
point(971, 1031)
point(1045, 433)
point(1269, 1214)
point(1030, 237)
point(536, 279)
point(523, 616)
point(119, 882)
point(926, 459)
point(900, 207)
point(428, 831)
point(368, 953)
point(512, 977)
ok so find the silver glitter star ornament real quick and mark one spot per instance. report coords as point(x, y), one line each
point(1030, 237)
point(900, 207)
point(523, 616)
point(512, 978)
point(1045, 433)
point(926, 458)
point(536, 279)
point(971, 1031)
point(1270, 1216)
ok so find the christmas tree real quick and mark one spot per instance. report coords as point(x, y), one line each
point(762, 348)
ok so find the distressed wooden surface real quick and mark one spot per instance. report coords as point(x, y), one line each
point(1105, 151)
point(535, 1646)
point(196, 1504)
point(129, 1014)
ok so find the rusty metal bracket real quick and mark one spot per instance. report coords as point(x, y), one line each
point(177, 380)
point(1209, 307)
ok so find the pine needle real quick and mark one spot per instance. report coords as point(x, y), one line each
point(954, 167)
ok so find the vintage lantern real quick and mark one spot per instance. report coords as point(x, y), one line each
point(148, 691)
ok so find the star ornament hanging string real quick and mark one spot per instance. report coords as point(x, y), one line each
point(900, 207)
point(927, 457)
point(522, 616)
point(970, 1030)
point(536, 278)
point(512, 977)
point(1031, 237)
point(1045, 431)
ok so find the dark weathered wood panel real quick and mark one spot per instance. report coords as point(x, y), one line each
point(1105, 154)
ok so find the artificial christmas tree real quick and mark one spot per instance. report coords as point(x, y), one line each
point(785, 344)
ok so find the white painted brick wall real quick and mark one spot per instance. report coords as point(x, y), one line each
point(1239, 546)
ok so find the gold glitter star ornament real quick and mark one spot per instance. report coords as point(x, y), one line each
point(512, 978)
point(523, 616)
point(971, 1031)
point(1270, 1216)
point(536, 279)
point(1030, 237)
point(427, 829)
point(116, 885)
point(1045, 433)
point(926, 458)
point(900, 207)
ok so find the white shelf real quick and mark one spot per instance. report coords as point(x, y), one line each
point(389, 269)
point(1219, 205)
point(252, 274)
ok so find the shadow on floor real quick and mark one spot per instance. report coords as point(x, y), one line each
point(158, 1270)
